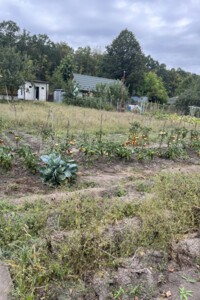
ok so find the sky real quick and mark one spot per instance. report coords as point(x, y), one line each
point(168, 30)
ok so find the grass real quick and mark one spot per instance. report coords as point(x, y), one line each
point(32, 117)
point(47, 243)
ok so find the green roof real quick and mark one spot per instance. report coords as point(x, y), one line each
point(88, 83)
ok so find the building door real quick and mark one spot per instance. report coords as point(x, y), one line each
point(37, 93)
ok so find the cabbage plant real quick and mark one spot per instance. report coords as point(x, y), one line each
point(57, 170)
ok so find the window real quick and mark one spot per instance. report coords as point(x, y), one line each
point(30, 86)
point(42, 88)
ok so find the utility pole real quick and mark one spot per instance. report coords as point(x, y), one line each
point(122, 98)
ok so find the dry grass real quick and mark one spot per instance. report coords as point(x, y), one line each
point(33, 116)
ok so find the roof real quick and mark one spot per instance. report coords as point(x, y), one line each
point(88, 83)
point(140, 99)
point(37, 81)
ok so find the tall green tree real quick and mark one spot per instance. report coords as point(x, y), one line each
point(125, 54)
point(63, 74)
point(190, 96)
point(154, 88)
point(187, 83)
point(88, 61)
point(151, 65)
point(9, 34)
point(11, 67)
point(83, 61)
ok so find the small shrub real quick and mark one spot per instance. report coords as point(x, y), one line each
point(30, 161)
point(5, 158)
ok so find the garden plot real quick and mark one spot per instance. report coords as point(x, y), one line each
point(127, 228)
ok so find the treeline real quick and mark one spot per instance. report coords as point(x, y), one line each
point(27, 57)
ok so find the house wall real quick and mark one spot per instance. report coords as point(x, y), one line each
point(31, 91)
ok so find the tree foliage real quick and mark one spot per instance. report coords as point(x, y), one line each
point(125, 54)
point(154, 88)
point(88, 61)
point(111, 93)
point(190, 97)
point(9, 34)
point(172, 79)
point(11, 67)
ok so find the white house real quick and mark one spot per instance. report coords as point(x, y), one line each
point(34, 90)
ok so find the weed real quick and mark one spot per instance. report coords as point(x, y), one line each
point(30, 161)
point(135, 291)
point(12, 187)
point(189, 279)
point(120, 192)
point(144, 187)
point(170, 212)
point(6, 157)
point(119, 293)
point(184, 294)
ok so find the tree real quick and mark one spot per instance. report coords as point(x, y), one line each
point(28, 71)
point(190, 97)
point(125, 54)
point(151, 65)
point(83, 61)
point(154, 88)
point(9, 34)
point(11, 66)
point(88, 61)
point(111, 93)
point(186, 83)
point(63, 75)
point(171, 78)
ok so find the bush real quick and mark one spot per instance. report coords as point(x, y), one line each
point(190, 97)
point(91, 102)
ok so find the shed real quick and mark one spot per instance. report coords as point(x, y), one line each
point(58, 95)
point(34, 90)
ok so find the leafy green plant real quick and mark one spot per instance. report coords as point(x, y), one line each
point(30, 161)
point(122, 152)
point(194, 134)
point(189, 279)
point(5, 157)
point(46, 132)
point(57, 170)
point(135, 127)
point(184, 294)
point(174, 151)
point(135, 291)
point(120, 192)
point(119, 293)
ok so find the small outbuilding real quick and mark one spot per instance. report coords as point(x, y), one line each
point(34, 90)
point(58, 95)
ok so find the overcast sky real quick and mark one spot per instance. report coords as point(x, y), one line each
point(168, 30)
